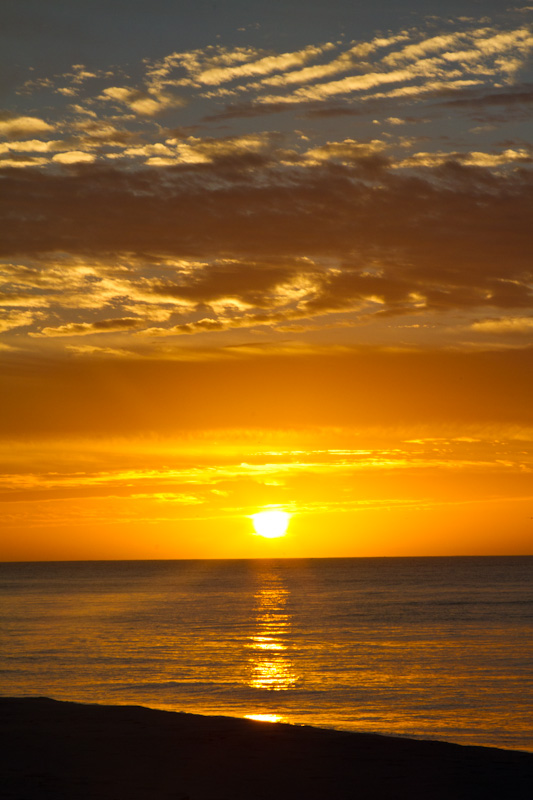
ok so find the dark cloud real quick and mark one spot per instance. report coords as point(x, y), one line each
point(247, 110)
point(248, 281)
point(459, 235)
point(20, 158)
point(334, 111)
point(510, 96)
point(307, 110)
point(497, 107)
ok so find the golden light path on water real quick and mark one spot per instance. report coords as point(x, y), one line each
point(270, 665)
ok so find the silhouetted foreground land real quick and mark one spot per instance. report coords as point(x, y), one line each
point(68, 751)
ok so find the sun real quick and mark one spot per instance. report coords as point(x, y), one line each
point(271, 524)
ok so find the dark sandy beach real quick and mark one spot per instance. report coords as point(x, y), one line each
point(65, 751)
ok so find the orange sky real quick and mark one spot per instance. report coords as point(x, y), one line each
point(257, 266)
point(374, 453)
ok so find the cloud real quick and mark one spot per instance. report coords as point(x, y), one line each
point(18, 160)
point(91, 133)
point(346, 61)
point(506, 104)
point(459, 58)
point(347, 151)
point(15, 319)
point(506, 96)
point(262, 66)
point(504, 325)
point(352, 83)
point(520, 40)
point(88, 328)
point(435, 88)
point(145, 150)
point(413, 52)
point(470, 159)
point(330, 111)
point(252, 284)
point(468, 47)
point(66, 282)
point(342, 230)
point(193, 150)
point(198, 232)
point(104, 352)
point(74, 157)
point(228, 323)
point(143, 103)
point(216, 65)
point(249, 109)
point(31, 146)
point(14, 127)
point(448, 56)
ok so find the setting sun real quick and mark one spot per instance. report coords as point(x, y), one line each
point(271, 524)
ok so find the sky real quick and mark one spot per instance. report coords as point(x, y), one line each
point(265, 255)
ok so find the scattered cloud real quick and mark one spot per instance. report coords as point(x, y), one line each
point(13, 127)
point(74, 157)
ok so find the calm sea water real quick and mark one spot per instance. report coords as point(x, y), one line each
point(438, 648)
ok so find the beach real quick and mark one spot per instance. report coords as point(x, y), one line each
point(64, 750)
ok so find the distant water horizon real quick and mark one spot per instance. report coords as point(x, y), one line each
point(435, 647)
point(264, 558)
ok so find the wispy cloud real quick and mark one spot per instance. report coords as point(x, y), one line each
point(520, 325)
point(87, 328)
point(231, 480)
point(217, 65)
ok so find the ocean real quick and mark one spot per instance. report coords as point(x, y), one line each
point(434, 648)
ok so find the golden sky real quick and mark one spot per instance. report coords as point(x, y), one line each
point(272, 260)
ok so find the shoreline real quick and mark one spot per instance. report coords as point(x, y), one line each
point(73, 751)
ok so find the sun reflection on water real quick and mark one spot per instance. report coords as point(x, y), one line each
point(270, 665)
